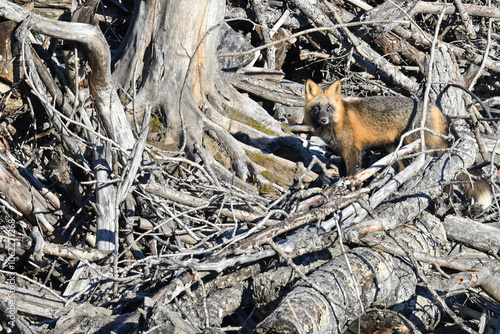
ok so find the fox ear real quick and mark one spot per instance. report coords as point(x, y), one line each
point(312, 90)
point(333, 91)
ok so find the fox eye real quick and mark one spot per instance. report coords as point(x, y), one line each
point(316, 108)
point(330, 108)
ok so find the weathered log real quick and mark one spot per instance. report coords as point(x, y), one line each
point(352, 282)
point(424, 38)
point(105, 198)
point(403, 10)
point(276, 92)
point(213, 242)
point(472, 9)
point(40, 303)
point(64, 251)
point(472, 234)
point(418, 193)
point(92, 40)
point(345, 292)
point(30, 202)
point(320, 19)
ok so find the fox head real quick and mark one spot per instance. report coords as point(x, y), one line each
point(323, 107)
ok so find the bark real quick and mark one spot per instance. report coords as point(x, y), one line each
point(106, 199)
point(342, 296)
point(29, 202)
point(472, 234)
point(326, 315)
point(194, 247)
point(193, 102)
point(366, 52)
point(93, 42)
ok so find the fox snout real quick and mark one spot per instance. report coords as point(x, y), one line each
point(323, 120)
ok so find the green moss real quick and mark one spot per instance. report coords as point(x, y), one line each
point(274, 171)
point(268, 175)
point(155, 125)
point(257, 126)
point(234, 114)
point(260, 159)
point(237, 116)
point(267, 190)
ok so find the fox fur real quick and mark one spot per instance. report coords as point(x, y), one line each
point(350, 125)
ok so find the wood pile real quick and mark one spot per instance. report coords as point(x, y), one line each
point(383, 251)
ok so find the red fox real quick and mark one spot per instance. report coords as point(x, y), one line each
point(350, 125)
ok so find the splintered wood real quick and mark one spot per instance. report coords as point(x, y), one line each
point(156, 174)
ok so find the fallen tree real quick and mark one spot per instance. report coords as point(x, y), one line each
point(153, 163)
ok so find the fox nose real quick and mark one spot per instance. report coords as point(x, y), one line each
point(323, 121)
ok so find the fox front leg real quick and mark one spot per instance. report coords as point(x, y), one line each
point(351, 157)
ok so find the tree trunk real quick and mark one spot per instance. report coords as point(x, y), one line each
point(194, 249)
point(183, 83)
point(342, 292)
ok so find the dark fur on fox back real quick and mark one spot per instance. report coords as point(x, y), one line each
point(400, 114)
point(351, 125)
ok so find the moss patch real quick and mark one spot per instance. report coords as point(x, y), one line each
point(155, 125)
point(274, 170)
point(254, 124)
point(257, 126)
point(286, 128)
point(260, 159)
point(267, 191)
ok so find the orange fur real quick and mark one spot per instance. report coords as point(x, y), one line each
point(351, 125)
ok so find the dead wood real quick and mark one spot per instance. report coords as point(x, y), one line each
point(153, 163)
point(470, 9)
point(472, 234)
point(93, 41)
point(341, 297)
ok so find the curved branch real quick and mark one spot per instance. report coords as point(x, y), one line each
point(101, 83)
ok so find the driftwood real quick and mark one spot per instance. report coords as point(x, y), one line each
point(138, 176)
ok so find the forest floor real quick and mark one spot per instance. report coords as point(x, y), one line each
point(294, 247)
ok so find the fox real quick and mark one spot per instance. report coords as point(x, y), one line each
point(350, 125)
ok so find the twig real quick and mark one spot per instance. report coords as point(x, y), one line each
point(429, 76)
point(260, 8)
point(162, 224)
point(486, 53)
point(353, 39)
point(136, 158)
point(305, 32)
point(254, 229)
point(52, 292)
point(466, 20)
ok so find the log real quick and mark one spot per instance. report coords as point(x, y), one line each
point(352, 282)
point(37, 303)
point(93, 42)
point(320, 19)
point(471, 9)
point(30, 202)
point(472, 234)
point(344, 293)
